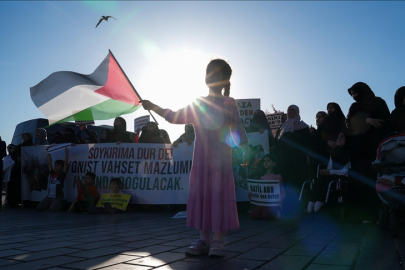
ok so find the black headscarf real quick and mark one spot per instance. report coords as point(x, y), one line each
point(119, 133)
point(17, 150)
point(144, 135)
point(397, 117)
point(27, 142)
point(165, 136)
point(107, 134)
point(69, 136)
point(399, 98)
point(333, 123)
point(259, 122)
point(367, 105)
point(152, 135)
point(341, 155)
point(57, 137)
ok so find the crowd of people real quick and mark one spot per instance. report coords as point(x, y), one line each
point(347, 144)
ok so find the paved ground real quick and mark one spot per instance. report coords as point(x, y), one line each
point(31, 240)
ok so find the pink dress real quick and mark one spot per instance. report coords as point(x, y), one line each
point(211, 203)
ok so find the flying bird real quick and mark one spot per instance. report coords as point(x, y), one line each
point(105, 18)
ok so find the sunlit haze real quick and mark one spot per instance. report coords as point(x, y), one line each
point(303, 53)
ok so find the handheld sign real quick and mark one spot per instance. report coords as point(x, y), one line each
point(264, 192)
point(275, 119)
point(84, 122)
point(117, 200)
point(140, 122)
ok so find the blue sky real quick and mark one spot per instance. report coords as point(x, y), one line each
point(303, 53)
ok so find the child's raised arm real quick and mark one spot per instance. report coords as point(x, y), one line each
point(66, 165)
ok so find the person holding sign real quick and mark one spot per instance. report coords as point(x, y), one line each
point(211, 203)
point(107, 207)
point(259, 123)
point(268, 212)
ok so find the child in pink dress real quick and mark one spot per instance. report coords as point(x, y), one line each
point(211, 203)
point(269, 212)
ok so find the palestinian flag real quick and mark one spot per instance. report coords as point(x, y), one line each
point(69, 96)
point(83, 194)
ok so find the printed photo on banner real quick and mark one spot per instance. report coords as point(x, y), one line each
point(117, 200)
point(264, 192)
point(140, 122)
point(246, 109)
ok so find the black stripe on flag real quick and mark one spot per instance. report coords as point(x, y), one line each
point(61, 81)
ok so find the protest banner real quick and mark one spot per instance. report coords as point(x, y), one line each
point(246, 109)
point(264, 192)
point(275, 119)
point(117, 200)
point(140, 122)
point(151, 173)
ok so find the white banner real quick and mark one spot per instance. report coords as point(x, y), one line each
point(264, 192)
point(151, 173)
point(246, 109)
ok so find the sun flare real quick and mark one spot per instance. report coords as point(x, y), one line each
point(176, 78)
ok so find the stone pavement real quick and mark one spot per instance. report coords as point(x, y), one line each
point(139, 240)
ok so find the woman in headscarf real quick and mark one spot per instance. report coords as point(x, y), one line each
point(292, 148)
point(333, 124)
point(318, 152)
point(69, 136)
point(165, 136)
point(397, 118)
point(92, 137)
point(105, 133)
point(14, 185)
point(259, 123)
point(153, 134)
point(119, 133)
point(41, 137)
point(367, 119)
point(57, 138)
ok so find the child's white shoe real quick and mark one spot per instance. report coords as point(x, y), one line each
point(198, 247)
point(217, 248)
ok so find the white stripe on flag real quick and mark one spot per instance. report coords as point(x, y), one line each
point(72, 101)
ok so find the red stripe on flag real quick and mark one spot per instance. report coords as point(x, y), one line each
point(80, 192)
point(117, 86)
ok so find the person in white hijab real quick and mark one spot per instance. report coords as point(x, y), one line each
point(293, 121)
point(292, 148)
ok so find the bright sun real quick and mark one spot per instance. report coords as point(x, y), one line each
point(174, 79)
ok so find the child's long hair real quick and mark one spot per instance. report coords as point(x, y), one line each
point(226, 71)
point(272, 157)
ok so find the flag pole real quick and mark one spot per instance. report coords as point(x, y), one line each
point(133, 88)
